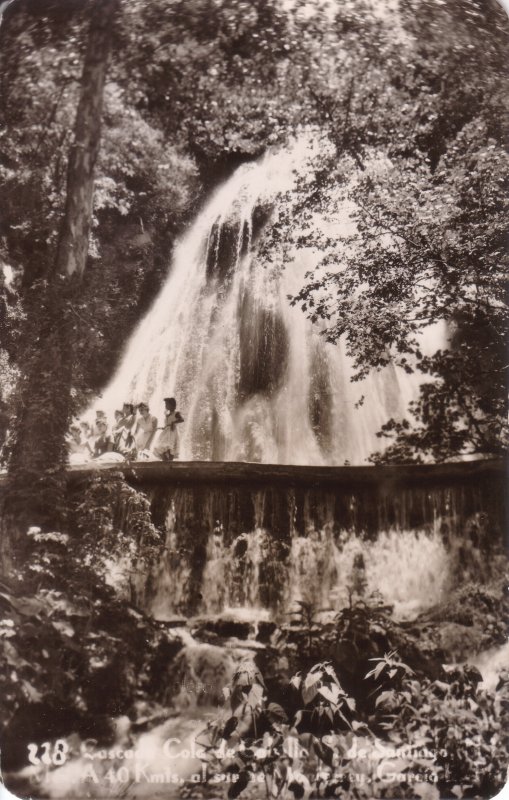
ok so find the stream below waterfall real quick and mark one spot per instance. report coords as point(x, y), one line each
point(161, 754)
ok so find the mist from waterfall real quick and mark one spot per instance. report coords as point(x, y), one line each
point(253, 378)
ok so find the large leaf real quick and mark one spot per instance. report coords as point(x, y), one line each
point(255, 696)
point(239, 785)
point(63, 627)
point(330, 693)
point(31, 692)
point(12, 656)
point(312, 678)
point(384, 698)
point(310, 687)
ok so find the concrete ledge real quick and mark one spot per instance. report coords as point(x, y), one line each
point(232, 472)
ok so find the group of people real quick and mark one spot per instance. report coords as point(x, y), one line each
point(132, 436)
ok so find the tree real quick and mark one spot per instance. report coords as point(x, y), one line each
point(217, 75)
point(37, 466)
point(161, 105)
point(430, 204)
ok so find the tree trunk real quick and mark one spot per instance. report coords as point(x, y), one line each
point(36, 488)
point(73, 245)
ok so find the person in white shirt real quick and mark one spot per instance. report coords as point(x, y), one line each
point(145, 428)
point(77, 447)
point(168, 444)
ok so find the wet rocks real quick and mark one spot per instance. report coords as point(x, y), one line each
point(210, 630)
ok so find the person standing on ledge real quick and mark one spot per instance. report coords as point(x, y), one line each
point(168, 445)
point(123, 436)
point(146, 426)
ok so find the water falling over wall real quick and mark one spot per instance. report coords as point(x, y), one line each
point(261, 538)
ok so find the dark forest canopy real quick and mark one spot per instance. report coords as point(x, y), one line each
point(194, 89)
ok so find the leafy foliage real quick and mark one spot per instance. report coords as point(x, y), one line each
point(427, 736)
point(117, 536)
point(138, 211)
point(428, 209)
point(82, 647)
point(259, 739)
point(451, 718)
point(304, 635)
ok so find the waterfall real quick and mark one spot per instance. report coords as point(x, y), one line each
point(262, 547)
point(409, 570)
point(256, 382)
point(253, 378)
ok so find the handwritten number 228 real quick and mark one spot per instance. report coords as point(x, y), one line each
point(51, 754)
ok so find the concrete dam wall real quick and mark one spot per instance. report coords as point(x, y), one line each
point(260, 538)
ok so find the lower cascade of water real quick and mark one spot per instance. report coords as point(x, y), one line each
point(238, 558)
point(267, 549)
point(409, 570)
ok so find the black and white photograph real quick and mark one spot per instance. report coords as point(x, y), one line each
point(254, 399)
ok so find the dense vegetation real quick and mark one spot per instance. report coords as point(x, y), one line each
point(413, 736)
point(354, 704)
point(412, 109)
point(74, 651)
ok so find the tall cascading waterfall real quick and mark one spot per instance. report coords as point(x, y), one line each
point(255, 381)
point(253, 378)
